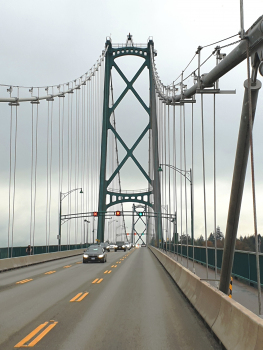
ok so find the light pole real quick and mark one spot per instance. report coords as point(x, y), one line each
point(87, 237)
point(116, 231)
point(63, 196)
point(188, 175)
point(107, 219)
point(166, 208)
point(110, 222)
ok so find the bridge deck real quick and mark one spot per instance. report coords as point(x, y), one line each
point(136, 306)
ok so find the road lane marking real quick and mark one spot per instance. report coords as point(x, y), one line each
point(24, 281)
point(65, 267)
point(100, 280)
point(49, 272)
point(109, 271)
point(79, 296)
point(95, 280)
point(76, 297)
point(79, 262)
point(22, 343)
point(106, 271)
point(83, 296)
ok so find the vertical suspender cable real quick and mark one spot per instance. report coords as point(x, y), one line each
point(10, 180)
point(68, 143)
point(62, 142)
point(14, 191)
point(165, 173)
point(71, 160)
point(50, 171)
point(31, 174)
point(169, 177)
point(185, 187)
point(192, 179)
point(203, 156)
point(76, 162)
point(47, 174)
point(253, 179)
point(181, 184)
point(175, 184)
point(215, 186)
point(35, 180)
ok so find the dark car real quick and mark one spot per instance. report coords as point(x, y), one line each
point(94, 254)
point(105, 246)
point(120, 246)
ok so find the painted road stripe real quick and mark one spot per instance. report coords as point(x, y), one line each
point(22, 343)
point(83, 296)
point(79, 262)
point(76, 297)
point(100, 280)
point(109, 271)
point(24, 281)
point(65, 267)
point(49, 272)
point(79, 296)
point(106, 271)
point(95, 280)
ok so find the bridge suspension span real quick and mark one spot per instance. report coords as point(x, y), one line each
point(63, 160)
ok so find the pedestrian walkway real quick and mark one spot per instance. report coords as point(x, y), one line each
point(242, 293)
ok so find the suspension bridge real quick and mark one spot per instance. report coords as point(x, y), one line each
point(80, 164)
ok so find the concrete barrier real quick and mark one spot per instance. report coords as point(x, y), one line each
point(235, 326)
point(14, 263)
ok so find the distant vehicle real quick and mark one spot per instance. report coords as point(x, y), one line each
point(113, 246)
point(94, 253)
point(105, 246)
point(120, 246)
point(128, 245)
point(143, 245)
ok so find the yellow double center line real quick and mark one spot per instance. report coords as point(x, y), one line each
point(49, 272)
point(23, 342)
point(65, 267)
point(107, 271)
point(24, 281)
point(79, 296)
point(97, 280)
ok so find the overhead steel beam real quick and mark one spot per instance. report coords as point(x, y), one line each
point(254, 35)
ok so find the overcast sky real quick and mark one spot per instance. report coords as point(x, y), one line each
point(52, 42)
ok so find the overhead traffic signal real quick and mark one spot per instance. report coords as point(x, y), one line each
point(95, 213)
point(118, 213)
point(140, 213)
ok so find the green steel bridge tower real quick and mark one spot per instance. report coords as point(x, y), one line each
point(153, 192)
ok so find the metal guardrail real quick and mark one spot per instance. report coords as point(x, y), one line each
point(21, 251)
point(244, 266)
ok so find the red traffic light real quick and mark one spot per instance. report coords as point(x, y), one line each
point(95, 213)
point(117, 213)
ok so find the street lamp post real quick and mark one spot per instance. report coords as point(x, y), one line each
point(116, 231)
point(166, 209)
point(63, 196)
point(87, 237)
point(188, 175)
point(110, 222)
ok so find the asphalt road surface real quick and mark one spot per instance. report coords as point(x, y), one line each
point(67, 305)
